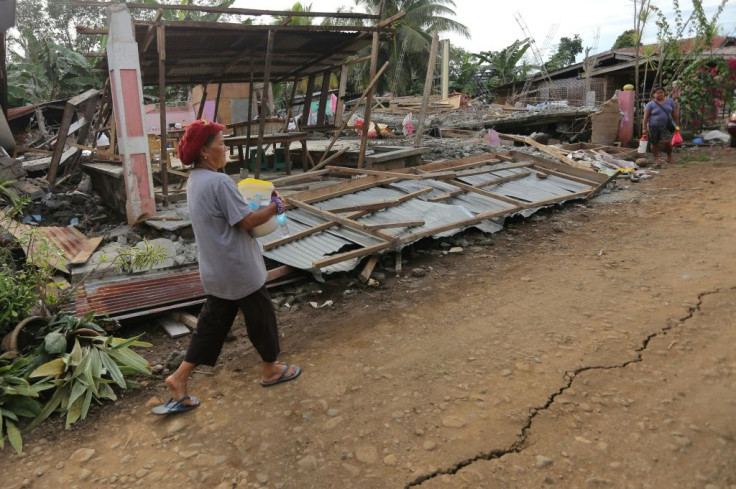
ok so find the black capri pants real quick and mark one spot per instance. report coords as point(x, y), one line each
point(217, 318)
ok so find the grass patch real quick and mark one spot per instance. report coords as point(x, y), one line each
point(699, 157)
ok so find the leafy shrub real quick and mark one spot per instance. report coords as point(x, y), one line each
point(18, 297)
point(18, 399)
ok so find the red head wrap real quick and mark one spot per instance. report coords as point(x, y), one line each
point(195, 137)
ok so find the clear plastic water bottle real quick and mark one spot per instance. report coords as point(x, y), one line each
point(283, 225)
point(255, 202)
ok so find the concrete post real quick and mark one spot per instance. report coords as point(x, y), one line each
point(126, 89)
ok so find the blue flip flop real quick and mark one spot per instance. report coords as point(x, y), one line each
point(283, 377)
point(175, 407)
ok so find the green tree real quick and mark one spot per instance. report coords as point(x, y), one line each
point(295, 20)
point(464, 70)
point(567, 50)
point(56, 22)
point(46, 71)
point(627, 39)
point(408, 50)
point(503, 66)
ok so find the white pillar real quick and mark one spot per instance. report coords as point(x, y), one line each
point(127, 95)
point(445, 69)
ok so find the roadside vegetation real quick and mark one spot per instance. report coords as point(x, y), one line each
point(52, 361)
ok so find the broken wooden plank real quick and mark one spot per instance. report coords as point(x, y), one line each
point(383, 156)
point(455, 165)
point(400, 224)
point(547, 172)
point(561, 198)
point(584, 173)
point(370, 206)
point(445, 196)
point(44, 163)
point(456, 225)
point(480, 171)
point(309, 176)
point(386, 174)
point(64, 131)
point(87, 251)
point(500, 180)
point(307, 232)
point(486, 193)
point(354, 215)
point(550, 150)
point(342, 220)
point(76, 125)
point(328, 160)
point(344, 188)
point(368, 268)
point(383, 204)
point(349, 255)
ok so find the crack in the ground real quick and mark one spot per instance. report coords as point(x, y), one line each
point(569, 377)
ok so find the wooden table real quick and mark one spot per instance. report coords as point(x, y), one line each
point(285, 139)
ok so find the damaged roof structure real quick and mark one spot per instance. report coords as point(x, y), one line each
point(335, 227)
point(339, 215)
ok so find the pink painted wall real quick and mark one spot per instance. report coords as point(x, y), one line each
point(182, 115)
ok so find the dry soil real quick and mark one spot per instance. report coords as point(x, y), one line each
point(588, 346)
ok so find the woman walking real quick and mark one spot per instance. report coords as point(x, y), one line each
point(230, 265)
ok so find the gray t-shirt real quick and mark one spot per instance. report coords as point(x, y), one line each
point(230, 262)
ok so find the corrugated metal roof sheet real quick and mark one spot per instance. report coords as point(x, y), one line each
point(439, 208)
point(63, 245)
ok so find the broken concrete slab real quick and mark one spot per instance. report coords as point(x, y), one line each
point(10, 168)
point(175, 217)
point(30, 189)
point(173, 328)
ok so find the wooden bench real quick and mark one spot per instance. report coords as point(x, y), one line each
point(285, 139)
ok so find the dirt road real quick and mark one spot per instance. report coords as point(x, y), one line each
point(590, 346)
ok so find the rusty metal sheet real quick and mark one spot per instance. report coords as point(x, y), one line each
point(151, 292)
point(74, 246)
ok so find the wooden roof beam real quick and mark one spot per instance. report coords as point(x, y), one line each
point(150, 34)
point(234, 11)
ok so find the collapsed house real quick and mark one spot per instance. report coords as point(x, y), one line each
point(346, 208)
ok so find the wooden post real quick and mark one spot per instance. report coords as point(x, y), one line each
point(321, 111)
point(217, 101)
point(341, 94)
point(163, 158)
point(289, 105)
point(269, 99)
point(369, 100)
point(262, 121)
point(65, 129)
point(244, 169)
point(3, 77)
point(202, 102)
point(355, 107)
point(427, 89)
point(307, 101)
